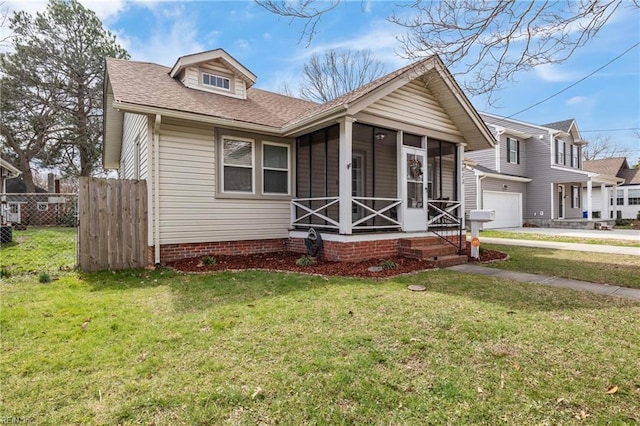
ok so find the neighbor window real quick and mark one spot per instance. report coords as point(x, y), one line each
point(560, 152)
point(43, 207)
point(275, 168)
point(620, 197)
point(575, 197)
point(237, 157)
point(513, 151)
point(575, 156)
point(633, 197)
point(216, 81)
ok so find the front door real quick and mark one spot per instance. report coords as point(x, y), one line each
point(414, 184)
point(560, 201)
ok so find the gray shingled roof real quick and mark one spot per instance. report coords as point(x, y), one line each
point(148, 84)
point(630, 176)
point(563, 126)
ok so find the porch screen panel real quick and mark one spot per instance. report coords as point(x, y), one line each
point(333, 160)
point(318, 171)
point(303, 170)
point(442, 170)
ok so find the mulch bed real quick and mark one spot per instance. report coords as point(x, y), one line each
point(287, 262)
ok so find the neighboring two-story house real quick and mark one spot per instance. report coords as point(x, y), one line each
point(623, 200)
point(534, 176)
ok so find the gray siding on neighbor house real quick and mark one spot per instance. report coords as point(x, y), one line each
point(484, 157)
point(516, 169)
point(470, 186)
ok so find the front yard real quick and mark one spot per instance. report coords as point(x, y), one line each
point(142, 347)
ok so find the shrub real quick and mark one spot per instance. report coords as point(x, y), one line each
point(44, 277)
point(5, 273)
point(623, 222)
point(638, 215)
point(209, 261)
point(306, 261)
point(388, 264)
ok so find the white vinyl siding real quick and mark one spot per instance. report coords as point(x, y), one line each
point(189, 210)
point(133, 159)
point(413, 103)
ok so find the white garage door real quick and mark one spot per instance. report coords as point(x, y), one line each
point(508, 207)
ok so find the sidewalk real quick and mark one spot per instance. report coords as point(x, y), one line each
point(594, 248)
point(604, 289)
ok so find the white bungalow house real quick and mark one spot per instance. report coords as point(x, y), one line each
point(620, 201)
point(234, 169)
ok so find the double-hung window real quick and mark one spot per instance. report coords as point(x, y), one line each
point(238, 161)
point(633, 197)
point(575, 196)
point(575, 156)
point(275, 168)
point(560, 152)
point(513, 151)
point(620, 197)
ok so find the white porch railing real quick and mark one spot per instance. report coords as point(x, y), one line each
point(443, 213)
point(392, 222)
point(309, 213)
point(303, 210)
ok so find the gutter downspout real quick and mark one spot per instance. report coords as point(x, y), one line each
point(156, 190)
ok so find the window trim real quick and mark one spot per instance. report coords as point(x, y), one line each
point(559, 161)
point(633, 197)
point(511, 142)
point(619, 197)
point(213, 86)
point(288, 169)
point(576, 196)
point(223, 138)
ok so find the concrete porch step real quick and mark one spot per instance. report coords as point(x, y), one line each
point(451, 260)
point(428, 252)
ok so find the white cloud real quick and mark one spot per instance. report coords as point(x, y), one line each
point(577, 100)
point(174, 34)
point(553, 74)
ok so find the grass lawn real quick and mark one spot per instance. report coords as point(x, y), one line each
point(490, 233)
point(604, 268)
point(39, 249)
point(141, 347)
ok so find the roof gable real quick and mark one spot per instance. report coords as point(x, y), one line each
point(214, 56)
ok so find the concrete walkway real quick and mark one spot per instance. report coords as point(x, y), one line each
point(604, 289)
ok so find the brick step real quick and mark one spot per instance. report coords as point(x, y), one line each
point(451, 260)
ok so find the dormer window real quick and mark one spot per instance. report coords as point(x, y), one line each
point(216, 81)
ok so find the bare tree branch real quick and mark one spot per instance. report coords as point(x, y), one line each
point(601, 147)
point(335, 73)
point(486, 41)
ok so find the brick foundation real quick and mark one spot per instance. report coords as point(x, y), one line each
point(169, 252)
point(332, 250)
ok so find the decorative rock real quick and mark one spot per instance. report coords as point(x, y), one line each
point(415, 287)
point(375, 269)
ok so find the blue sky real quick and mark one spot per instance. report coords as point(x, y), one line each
point(270, 46)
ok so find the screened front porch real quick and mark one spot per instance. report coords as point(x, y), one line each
point(355, 177)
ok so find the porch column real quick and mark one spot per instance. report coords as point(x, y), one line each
point(604, 212)
point(344, 164)
point(460, 194)
point(589, 199)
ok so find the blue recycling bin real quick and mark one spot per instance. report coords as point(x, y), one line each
point(584, 214)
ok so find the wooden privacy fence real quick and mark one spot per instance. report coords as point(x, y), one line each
point(113, 224)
